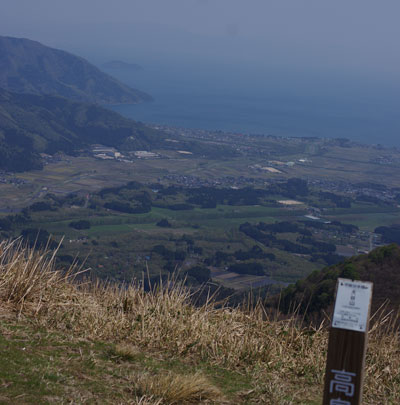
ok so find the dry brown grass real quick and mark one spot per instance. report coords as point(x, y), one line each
point(177, 389)
point(286, 362)
point(146, 400)
point(25, 274)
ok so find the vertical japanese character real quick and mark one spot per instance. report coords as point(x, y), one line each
point(342, 382)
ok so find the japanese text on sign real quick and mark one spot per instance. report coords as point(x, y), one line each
point(342, 382)
point(352, 305)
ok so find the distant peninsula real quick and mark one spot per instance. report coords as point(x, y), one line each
point(120, 65)
point(27, 66)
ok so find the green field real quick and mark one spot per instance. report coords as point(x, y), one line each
point(223, 217)
point(367, 218)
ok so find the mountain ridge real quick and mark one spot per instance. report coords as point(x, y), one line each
point(27, 66)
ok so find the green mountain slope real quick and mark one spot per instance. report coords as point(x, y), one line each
point(315, 293)
point(31, 124)
point(29, 67)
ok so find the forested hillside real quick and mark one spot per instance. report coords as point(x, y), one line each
point(29, 67)
point(315, 294)
point(31, 124)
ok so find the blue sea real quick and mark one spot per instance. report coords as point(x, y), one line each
point(262, 101)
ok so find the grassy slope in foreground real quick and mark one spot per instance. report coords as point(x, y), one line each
point(62, 340)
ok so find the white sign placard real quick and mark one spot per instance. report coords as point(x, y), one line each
point(352, 305)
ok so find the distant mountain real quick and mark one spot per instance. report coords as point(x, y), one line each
point(315, 294)
point(29, 67)
point(120, 65)
point(31, 124)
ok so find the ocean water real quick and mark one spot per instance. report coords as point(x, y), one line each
point(258, 101)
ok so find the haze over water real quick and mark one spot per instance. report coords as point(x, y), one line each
point(297, 68)
point(250, 100)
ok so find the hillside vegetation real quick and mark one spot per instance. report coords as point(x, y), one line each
point(29, 67)
point(64, 339)
point(31, 124)
point(314, 294)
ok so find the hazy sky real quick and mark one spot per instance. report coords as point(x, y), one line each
point(354, 36)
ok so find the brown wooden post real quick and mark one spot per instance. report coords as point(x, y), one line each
point(347, 345)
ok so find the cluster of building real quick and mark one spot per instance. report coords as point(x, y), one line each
point(8, 178)
point(385, 160)
point(195, 181)
point(106, 152)
point(109, 153)
point(57, 157)
point(354, 190)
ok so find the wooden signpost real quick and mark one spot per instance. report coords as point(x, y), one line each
point(348, 343)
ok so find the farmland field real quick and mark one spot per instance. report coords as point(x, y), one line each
point(119, 243)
